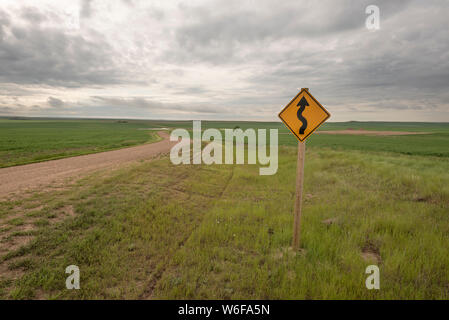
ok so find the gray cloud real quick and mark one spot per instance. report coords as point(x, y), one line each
point(128, 2)
point(55, 102)
point(159, 107)
point(221, 36)
point(86, 8)
point(5, 21)
point(48, 56)
point(33, 15)
point(6, 111)
point(15, 90)
point(136, 102)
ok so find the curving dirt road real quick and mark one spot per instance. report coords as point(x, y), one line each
point(35, 175)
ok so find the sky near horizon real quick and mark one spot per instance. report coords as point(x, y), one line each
point(223, 59)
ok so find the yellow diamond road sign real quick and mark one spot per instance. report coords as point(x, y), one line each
point(303, 115)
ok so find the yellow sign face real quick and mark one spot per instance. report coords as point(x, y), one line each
point(303, 115)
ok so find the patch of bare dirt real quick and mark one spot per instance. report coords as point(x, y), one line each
point(309, 196)
point(68, 211)
point(25, 227)
point(8, 273)
point(330, 221)
point(16, 236)
point(18, 242)
point(371, 253)
point(371, 132)
point(62, 214)
point(280, 253)
point(12, 244)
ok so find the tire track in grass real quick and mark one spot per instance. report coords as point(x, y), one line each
point(148, 293)
point(226, 185)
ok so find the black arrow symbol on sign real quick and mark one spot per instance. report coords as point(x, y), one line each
point(302, 104)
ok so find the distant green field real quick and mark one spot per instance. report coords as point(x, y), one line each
point(33, 140)
point(355, 125)
point(434, 144)
point(388, 126)
point(27, 141)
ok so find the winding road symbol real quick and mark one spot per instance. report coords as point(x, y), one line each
point(302, 106)
point(305, 108)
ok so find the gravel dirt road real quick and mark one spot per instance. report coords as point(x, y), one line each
point(37, 175)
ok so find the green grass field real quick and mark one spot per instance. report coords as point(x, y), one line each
point(27, 141)
point(34, 140)
point(155, 230)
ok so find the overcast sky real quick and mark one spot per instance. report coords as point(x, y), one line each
point(230, 59)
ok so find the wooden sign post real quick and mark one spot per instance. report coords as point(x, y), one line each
point(302, 116)
point(298, 196)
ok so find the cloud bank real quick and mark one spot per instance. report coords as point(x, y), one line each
point(221, 59)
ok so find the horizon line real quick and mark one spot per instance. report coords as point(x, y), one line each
point(148, 119)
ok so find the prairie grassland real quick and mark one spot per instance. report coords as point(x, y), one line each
point(435, 144)
point(154, 230)
point(28, 141)
point(32, 140)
